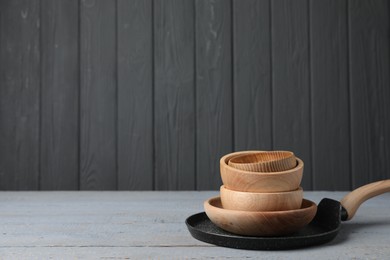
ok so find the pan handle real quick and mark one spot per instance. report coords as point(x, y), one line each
point(352, 201)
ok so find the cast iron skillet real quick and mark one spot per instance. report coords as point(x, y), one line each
point(324, 227)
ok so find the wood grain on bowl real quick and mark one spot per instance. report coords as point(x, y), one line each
point(240, 180)
point(260, 223)
point(261, 201)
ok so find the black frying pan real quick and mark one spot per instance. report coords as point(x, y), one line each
point(323, 228)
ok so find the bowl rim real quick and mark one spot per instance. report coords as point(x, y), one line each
point(284, 193)
point(308, 206)
point(225, 164)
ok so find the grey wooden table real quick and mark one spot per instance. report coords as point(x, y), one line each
point(142, 225)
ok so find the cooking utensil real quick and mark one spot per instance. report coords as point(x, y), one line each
point(265, 161)
point(239, 180)
point(260, 201)
point(264, 223)
point(322, 229)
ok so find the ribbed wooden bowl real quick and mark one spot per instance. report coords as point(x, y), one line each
point(240, 180)
point(266, 161)
point(260, 223)
point(258, 201)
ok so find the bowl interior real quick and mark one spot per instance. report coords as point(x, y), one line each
point(225, 163)
point(261, 157)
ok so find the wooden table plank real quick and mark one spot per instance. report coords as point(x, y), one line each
point(139, 225)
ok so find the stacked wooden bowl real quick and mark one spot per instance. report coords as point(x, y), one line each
point(261, 194)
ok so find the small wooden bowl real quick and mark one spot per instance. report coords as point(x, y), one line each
point(239, 180)
point(255, 201)
point(270, 161)
point(260, 223)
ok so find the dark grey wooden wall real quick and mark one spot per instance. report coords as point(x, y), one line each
point(142, 94)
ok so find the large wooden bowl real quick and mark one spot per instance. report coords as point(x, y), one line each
point(266, 161)
point(258, 223)
point(259, 201)
point(240, 180)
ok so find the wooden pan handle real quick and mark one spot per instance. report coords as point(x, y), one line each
point(354, 199)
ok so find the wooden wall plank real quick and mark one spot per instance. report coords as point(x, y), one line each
point(98, 95)
point(60, 95)
point(290, 68)
point(330, 95)
point(135, 95)
point(19, 95)
point(213, 90)
point(370, 91)
point(252, 75)
point(174, 94)
point(291, 81)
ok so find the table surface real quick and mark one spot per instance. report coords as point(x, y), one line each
point(150, 225)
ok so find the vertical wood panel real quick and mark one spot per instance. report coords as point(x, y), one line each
point(135, 97)
point(290, 75)
point(60, 99)
point(19, 95)
point(213, 90)
point(370, 91)
point(174, 94)
point(330, 100)
point(98, 95)
point(252, 75)
point(291, 80)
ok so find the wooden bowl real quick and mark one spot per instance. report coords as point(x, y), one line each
point(266, 161)
point(256, 201)
point(240, 180)
point(260, 223)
